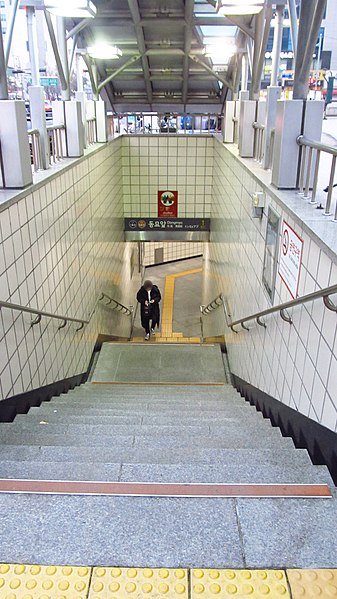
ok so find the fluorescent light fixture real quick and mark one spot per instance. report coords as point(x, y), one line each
point(71, 8)
point(104, 51)
point(239, 7)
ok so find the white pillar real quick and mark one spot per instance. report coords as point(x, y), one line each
point(277, 44)
point(246, 131)
point(38, 120)
point(60, 119)
point(312, 126)
point(286, 148)
point(228, 129)
point(273, 94)
point(79, 73)
point(15, 151)
point(81, 97)
point(74, 129)
point(101, 122)
point(244, 73)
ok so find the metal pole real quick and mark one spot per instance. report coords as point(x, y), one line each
point(293, 25)
point(244, 73)
point(310, 21)
point(95, 77)
point(55, 50)
point(277, 44)
point(256, 84)
point(32, 45)
point(79, 73)
point(62, 44)
point(3, 71)
point(318, 64)
point(10, 30)
point(257, 44)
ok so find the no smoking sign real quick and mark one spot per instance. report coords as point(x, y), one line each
point(290, 259)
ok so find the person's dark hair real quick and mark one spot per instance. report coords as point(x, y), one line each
point(148, 285)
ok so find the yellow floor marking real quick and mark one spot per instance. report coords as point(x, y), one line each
point(167, 315)
point(19, 581)
point(313, 583)
point(122, 583)
point(239, 584)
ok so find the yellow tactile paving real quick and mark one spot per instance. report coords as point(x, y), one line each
point(20, 581)
point(239, 584)
point(321, 584)
point(138, 583)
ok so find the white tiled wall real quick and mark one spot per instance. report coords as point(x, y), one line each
point(61, 245)
point(175, 162)
point(172, 250)
point(296, 364)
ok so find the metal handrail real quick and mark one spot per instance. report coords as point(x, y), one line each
point(306, 168)
point(213, 305)
point(65, 319)
point(281, 308)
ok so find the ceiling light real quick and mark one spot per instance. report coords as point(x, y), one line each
point(239, 7)
point(104, 52)
point(220, 52)
point(71, 8)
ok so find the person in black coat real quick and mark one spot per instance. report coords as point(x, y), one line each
point(149, 297)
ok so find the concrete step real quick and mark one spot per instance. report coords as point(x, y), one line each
point(68, 417)
point(181, 473)
point(148, 455)
point(260, 427)
point(165, 411)
point(232, 439)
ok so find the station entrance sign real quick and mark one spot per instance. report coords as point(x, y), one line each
point(290, 259)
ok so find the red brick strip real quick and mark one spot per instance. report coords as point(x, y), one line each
point(132, 489)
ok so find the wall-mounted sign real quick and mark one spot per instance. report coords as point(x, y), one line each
point(270, 253)
point(166, 224)
point(168, 204)
point(290, 259)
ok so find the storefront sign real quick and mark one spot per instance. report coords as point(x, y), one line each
point(168, 203)
point(290, 259)
point(166, 224)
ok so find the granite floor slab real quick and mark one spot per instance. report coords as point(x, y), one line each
point(119, 531)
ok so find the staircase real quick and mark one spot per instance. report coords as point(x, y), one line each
point(160, 414)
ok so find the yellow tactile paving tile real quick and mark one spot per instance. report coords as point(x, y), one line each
point(20, 581)
point(138, 583)
point(239, 584)
point(321, 584)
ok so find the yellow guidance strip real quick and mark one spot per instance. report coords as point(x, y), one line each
point(307, 584)
point(239, 584)
point(19, 581)
point(136, 583)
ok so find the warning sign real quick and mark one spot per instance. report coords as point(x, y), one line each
point(168, 203)
point(290, 259)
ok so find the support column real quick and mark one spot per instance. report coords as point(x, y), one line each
point(101, 123)
point(81, 97)
point(277, 44)
point(32, 45)
point(95, 77)
point(74, 129)
point(38, 120)
point(273, 95)
point(246, 131)
point(293, 25)
point(228, 129)
point(286, 148)
point(244, 73)
point(16, 169)
point(3, 70)
point(311, 16)
point(62, 44)
point(79, 73)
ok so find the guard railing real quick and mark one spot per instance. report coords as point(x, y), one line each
point(55, 136)
point(35, 149)
point(165, 123)
point(91, 130)
point(309, 169)
point(64, 320)
point(323, 294)
point(258, 141)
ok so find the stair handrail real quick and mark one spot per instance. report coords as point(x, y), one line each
point(65, 319)
point(281, 308)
